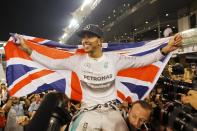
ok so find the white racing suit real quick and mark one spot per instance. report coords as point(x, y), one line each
point(97, 77)
point(102, 117)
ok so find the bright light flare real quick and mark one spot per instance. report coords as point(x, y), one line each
point(85, 3)
point(73, 23)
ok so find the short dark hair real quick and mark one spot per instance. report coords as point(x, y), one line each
point(143, 104)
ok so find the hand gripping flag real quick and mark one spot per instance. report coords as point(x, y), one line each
point(24, 76)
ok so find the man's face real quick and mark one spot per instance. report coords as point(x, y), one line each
point(91, 43)
point(37, 97)
point(138, 115)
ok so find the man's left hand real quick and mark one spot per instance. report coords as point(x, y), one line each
point(174, 43)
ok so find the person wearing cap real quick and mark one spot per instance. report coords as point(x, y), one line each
point(97, 71)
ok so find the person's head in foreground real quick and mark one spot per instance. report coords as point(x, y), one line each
point(139, 113)
point(92, 39)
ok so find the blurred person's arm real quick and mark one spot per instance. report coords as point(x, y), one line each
point(31, 107)
point(64, 127)
point(27, 102)
point(190, 98)
point(187, 76)
point(6, 107)
point(31, 114)
point(22, 120)
point(31, 96)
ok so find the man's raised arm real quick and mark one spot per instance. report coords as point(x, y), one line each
point(124, 62)
point(54, 64)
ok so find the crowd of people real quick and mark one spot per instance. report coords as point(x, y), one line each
point(16, 112)
point(176, 87)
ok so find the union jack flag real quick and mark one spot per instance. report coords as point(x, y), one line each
point(25, 76)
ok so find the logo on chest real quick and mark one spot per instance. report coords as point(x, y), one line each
point(99, 78)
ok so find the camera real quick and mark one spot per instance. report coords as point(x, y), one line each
point(173, 89)
point(174, 114)
point(52, 113)
point(179, 117)
point(60, 115)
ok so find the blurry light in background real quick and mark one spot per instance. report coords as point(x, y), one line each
point(85, 3)
point(79, 15)
point(73, 23)
point(64, 36)
point(61, 42)
point(96, 2)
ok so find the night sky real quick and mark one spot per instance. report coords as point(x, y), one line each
point(40, 18)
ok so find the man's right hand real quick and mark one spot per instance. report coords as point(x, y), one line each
point(23, 44)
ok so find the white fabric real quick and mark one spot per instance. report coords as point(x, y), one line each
point(103, 119)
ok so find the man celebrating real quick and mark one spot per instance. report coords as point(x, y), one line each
point(97, 71)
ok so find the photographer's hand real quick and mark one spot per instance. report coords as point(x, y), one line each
point(190, 98)
point(23, 120)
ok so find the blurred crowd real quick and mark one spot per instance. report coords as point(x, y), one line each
point(178, 72)
point(16, 112)
point(175, 97)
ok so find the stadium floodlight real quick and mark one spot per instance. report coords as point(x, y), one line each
point(96, 2)
point(64, 36)
point(85, 3)
point(61, 42)
point(73, 23)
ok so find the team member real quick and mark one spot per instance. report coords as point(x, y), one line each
point(139, 113)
